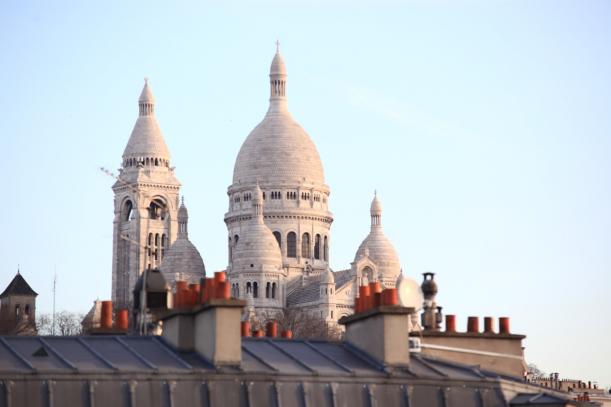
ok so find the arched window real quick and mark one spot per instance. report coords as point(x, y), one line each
point(274, 290)
point(305, 245)
point(235, 240)
point(255, 290)
point(291, 245)
point(326, 249)
point(17, 311)
point(27, 310)
point(128, 209)
point(248, 288)
point(150, 244)
point(157, 209)
point(317, 247)
point(367, 272)
point(278, 237)
point(230, 248)
point(268, 288)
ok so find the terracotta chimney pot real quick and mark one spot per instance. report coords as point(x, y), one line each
point(473, 324)
point(450, 323)
point(106, 321)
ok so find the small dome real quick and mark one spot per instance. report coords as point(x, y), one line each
point(183, 259)
point(257, 249)
point(381, 252)
point(327, 277)
point(378, 248)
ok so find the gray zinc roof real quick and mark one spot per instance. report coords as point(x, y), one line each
point(310, 291)
point(147, 371)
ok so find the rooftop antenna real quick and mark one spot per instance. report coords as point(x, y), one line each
point(54, 291)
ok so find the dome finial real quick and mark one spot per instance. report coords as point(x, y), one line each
point(146, 101)
point(376, 210)
point(277, 78)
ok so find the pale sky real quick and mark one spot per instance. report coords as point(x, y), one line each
point(483, 124)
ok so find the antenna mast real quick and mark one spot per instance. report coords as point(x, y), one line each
point(54, 283)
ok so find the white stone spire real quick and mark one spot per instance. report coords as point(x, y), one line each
point(146, 140)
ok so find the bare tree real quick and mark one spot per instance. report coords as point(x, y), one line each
point(44, 324)
point(66, 324)
point(304, 324)
point(534, 371)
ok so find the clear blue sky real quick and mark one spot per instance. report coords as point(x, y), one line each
point(484, 125)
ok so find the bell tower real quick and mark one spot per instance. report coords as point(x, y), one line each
point(146, 203)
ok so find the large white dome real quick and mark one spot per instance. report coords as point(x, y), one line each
point(278, 149)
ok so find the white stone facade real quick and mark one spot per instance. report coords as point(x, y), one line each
point(278, 218)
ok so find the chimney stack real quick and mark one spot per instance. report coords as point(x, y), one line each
point(211, 329)
point(381, 332)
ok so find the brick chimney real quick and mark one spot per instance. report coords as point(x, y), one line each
point(212, 329)
point(381, 332)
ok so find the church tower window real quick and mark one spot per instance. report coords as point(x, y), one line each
point(326, 249)
point(157, 209)
point(317, 247)
point(255, 290)
point(291, 245)
point(305, 245)
point(128, 209)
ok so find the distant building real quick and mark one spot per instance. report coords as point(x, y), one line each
point(578, 389)
point(18, 308)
